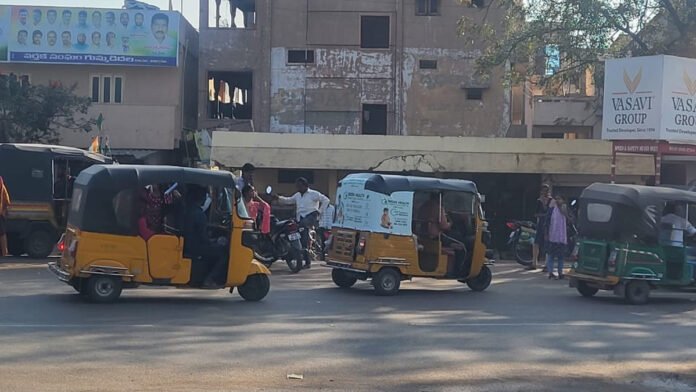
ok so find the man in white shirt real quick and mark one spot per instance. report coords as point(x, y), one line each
point(310, 205)
point(674, 222)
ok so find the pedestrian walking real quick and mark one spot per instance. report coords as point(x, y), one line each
point(542, 208)
point(4, 206)
point(557, 240)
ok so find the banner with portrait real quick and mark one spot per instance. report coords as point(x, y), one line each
point(360, 209)
point(89, 36)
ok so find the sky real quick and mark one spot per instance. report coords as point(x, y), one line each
point(190, 6)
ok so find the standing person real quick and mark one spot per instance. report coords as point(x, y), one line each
point(247, 177)
point(557, 240)
point(542, 208)
point(310, 205)
point(4, 206)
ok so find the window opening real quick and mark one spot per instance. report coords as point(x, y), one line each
point(427, 7)
point(106, 89)
point(374, 119)
point(232, 14)
point(300, 56)
point(229, 95)
point(427, 64)
point(374, 32)
point(474, 94)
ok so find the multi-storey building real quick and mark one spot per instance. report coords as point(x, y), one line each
point(321, 88)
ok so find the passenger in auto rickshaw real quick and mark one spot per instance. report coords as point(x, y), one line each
point(208, 256)
point(440, 227)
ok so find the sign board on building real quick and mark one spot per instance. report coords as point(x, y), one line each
point(357, 208)
point(58, 35)
point(650, 98)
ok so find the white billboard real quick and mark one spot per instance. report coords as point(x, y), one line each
point(650, 98)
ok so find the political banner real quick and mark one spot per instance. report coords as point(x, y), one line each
point(5, 12)
point(90, 36)
point(360, 209)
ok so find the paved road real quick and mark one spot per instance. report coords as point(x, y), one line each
point(524, 334)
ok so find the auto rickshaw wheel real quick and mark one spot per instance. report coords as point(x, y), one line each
point(387, 281)
point(255, 288)
point(342, 278)
point(103, 288)
point(586, 290)
point(482, 281)
point(637, 292)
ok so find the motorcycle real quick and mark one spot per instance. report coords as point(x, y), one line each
point(522, 236)
point(282, 243)
point(521, 240)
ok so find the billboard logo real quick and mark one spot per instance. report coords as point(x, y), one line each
point(632, 83)
point(689, 83)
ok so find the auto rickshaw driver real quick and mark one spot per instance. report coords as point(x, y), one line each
point(208, 256)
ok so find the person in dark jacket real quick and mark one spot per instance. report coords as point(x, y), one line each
point(208, 256)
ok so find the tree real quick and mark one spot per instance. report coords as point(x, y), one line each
point(35, 114)
point(583, 32)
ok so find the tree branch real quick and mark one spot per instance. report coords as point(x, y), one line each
point(675, 16)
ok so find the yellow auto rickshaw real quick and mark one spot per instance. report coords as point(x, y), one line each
point(104, 250)
point(390, 228)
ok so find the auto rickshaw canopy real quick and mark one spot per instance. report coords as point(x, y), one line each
point(105, 196)
point(136, 176)
point(626, 212)
point(388, 184)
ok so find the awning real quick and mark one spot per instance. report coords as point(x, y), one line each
point(423, 154)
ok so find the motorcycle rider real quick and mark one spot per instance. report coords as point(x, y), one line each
point(310, 205)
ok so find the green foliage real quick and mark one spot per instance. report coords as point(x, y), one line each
point(35, 114)
point(584, 31)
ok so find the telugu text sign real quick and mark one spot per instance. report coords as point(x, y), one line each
point(90, 36)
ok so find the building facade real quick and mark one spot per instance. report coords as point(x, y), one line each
point(145, 109)
point(322, 88)
point(339, 67)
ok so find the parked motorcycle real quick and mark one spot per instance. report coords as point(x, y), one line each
point(521, 240)
point(282, 243)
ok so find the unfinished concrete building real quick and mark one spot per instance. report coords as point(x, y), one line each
point(321, 88)
point(379, 67)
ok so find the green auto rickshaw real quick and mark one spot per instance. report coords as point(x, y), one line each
point(634, 239)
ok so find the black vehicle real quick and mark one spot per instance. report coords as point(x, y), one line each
point(39, 179)
point(282, 243)
point(521, 240)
